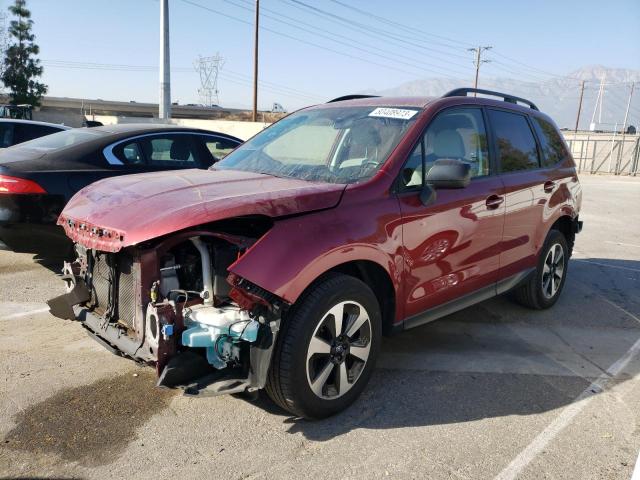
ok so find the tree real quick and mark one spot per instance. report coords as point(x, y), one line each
point(21, 67)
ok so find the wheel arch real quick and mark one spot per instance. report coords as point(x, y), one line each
point(378, 279)
point(565, 225)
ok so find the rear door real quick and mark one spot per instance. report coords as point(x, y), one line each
point(520, 170)
point(451, 247)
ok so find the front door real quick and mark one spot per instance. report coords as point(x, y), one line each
point(452, 246)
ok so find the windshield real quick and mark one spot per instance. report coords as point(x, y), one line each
point(62, 139)
point(336, 145)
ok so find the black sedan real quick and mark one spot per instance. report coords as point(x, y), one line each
point(37, 178)
point(13, 131)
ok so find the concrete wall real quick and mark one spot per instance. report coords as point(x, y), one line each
point(242, 130)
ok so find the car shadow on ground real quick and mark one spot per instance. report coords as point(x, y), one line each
point(404, 396)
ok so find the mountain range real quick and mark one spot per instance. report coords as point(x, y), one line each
point(557, 96)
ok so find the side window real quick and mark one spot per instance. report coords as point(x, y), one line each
point(6, 134)
point(171, 150)
point(26, 132)
point(218, 147)
point(517, 149)
point(131, 153)
point(457, 133)
point(552, 144)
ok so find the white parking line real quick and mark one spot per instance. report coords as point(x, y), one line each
point(636, 469)
point(26, 314)
point(527, 455)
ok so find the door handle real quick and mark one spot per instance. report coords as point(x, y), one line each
point(549, 186)
point(494, 201)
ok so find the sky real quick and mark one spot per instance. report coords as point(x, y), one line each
point(314, 50)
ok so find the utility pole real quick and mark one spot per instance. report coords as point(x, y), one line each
point(575, 132)
point(592, 125)
point(164, 107)
point(478, 61)
point(624, 130)
point(255, 64)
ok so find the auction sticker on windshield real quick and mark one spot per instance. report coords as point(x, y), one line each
point(400, 113)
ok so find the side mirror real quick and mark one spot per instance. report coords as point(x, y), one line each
point(449, 173)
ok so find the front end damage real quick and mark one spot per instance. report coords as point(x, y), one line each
point(172, 304)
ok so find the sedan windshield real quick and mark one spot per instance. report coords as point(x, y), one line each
point(335, 144)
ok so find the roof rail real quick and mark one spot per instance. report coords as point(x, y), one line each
point(462, 92)
point(351, 97)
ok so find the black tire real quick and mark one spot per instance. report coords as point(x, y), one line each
point(534, 294)
point(288, 383)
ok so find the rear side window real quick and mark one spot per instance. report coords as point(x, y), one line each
point(219, 147)
point(172, 150)
point(6, 134)
point(553, 147)
point(517, 149)
point(25, 132)
point(131, 153)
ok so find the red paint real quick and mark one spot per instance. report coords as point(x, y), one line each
point(432, 254)
point(135, 208)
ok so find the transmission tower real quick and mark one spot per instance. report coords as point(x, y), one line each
point(208, 68)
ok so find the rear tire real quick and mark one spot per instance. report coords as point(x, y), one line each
point(544, 286)
point(327, 348)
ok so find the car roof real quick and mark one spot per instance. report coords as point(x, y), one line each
point(382, 102)
point(424, 101)
point(141, 128)
point(34, 122)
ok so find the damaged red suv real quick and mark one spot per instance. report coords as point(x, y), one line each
point(283, 265)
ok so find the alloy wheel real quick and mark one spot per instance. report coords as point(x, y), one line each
point(553, 270)
point(338, 350)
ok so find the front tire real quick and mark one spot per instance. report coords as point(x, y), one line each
point(327, 348)
point(544, 286)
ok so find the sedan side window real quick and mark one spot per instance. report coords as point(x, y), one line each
point(219, 147)
point(171, 150)
point(131, 153)
point(457, 133)
point(517, 149)
point(6, 134)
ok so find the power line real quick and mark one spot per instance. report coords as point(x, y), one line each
point(345, 54)
point(406, 28)
point(234, 77)
point(370, 30)
point(358, 46)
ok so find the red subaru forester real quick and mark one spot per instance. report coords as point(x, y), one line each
point(283, 265)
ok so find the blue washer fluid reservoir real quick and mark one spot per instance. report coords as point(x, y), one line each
point(211, 328)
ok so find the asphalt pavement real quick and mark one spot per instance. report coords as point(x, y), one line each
point(494, 391)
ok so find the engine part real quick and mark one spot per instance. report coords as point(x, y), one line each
point(169, 276)
point(205, 258)
point(220, 331)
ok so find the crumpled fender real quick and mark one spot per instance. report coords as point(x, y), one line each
point(296, 251)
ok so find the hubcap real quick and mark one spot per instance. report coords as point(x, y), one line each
point(338, 350)
point(553, 271)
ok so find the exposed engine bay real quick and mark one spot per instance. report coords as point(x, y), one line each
point(174, 305)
